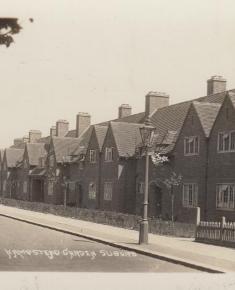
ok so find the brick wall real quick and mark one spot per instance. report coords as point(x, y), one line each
point(192, 168)
point(221, 169)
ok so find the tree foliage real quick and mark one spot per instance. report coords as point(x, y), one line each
point(8, 28)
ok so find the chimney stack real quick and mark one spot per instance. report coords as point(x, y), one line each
point(216, 84)
point(124, 110)
point(62, 128)
point(53, 131)
point(83, 121)
point(34, 136)
point(18, 141)
point(155, 101)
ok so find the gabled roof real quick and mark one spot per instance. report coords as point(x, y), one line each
point(64, 146)
point(13, 156)
point(35, 151)
point(171, 118)
point(100, 132)
point(127, 137)
point(207, 113)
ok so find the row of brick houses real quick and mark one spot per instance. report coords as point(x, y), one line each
point(100, 166)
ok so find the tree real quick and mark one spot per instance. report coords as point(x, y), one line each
point(8, 28)
point(172, 180)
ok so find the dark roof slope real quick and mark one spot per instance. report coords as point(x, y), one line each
point(171, 118)
point(207, 113)
point(64, 146)
point(135, 118)
point(100, 132)
point(127, 137)
point(71, 133)
point(35, 151)
point(13, 156)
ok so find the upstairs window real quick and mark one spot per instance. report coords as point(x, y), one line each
point(226, 141)
point(108, 154)
point(92, 190)
point(225, 194)
point(190, 194)
point(191, 145)
point(108, 190)
point(92, 156)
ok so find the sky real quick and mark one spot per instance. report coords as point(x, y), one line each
point(92, 56)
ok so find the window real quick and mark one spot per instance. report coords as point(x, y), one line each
point(92, 190)
point(140, 187)
point(226, 141)
point(108, 154)
point(225, 196)
point(25, 187)
point(191, 145)
point(190, 194)
point(92, 156)
point(108, 190)
point(50, 188)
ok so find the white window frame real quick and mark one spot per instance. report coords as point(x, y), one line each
point(108, 190)
point(92, 156)
point(229, 135)
point(109, 154)
point(191, 140)
point(190, 201)
point(92, 190)
point(220, 196)
point(140, 187)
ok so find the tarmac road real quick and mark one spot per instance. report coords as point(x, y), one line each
point(26, 247)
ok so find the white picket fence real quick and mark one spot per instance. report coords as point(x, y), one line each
point(222, 233)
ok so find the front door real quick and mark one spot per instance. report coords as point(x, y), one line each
point(38, 190)
point(155, 201)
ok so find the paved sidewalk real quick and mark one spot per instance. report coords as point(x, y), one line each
point(177, 250)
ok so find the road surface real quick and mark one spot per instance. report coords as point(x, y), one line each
point(26, 247)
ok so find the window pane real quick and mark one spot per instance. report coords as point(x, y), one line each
point(196, 145)
point(232, 141)
point(226, 142)
point(220, 141)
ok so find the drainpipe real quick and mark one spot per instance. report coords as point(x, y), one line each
point(99, 180)
point(206, 178)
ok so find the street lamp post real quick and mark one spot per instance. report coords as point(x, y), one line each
point(147, 132)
